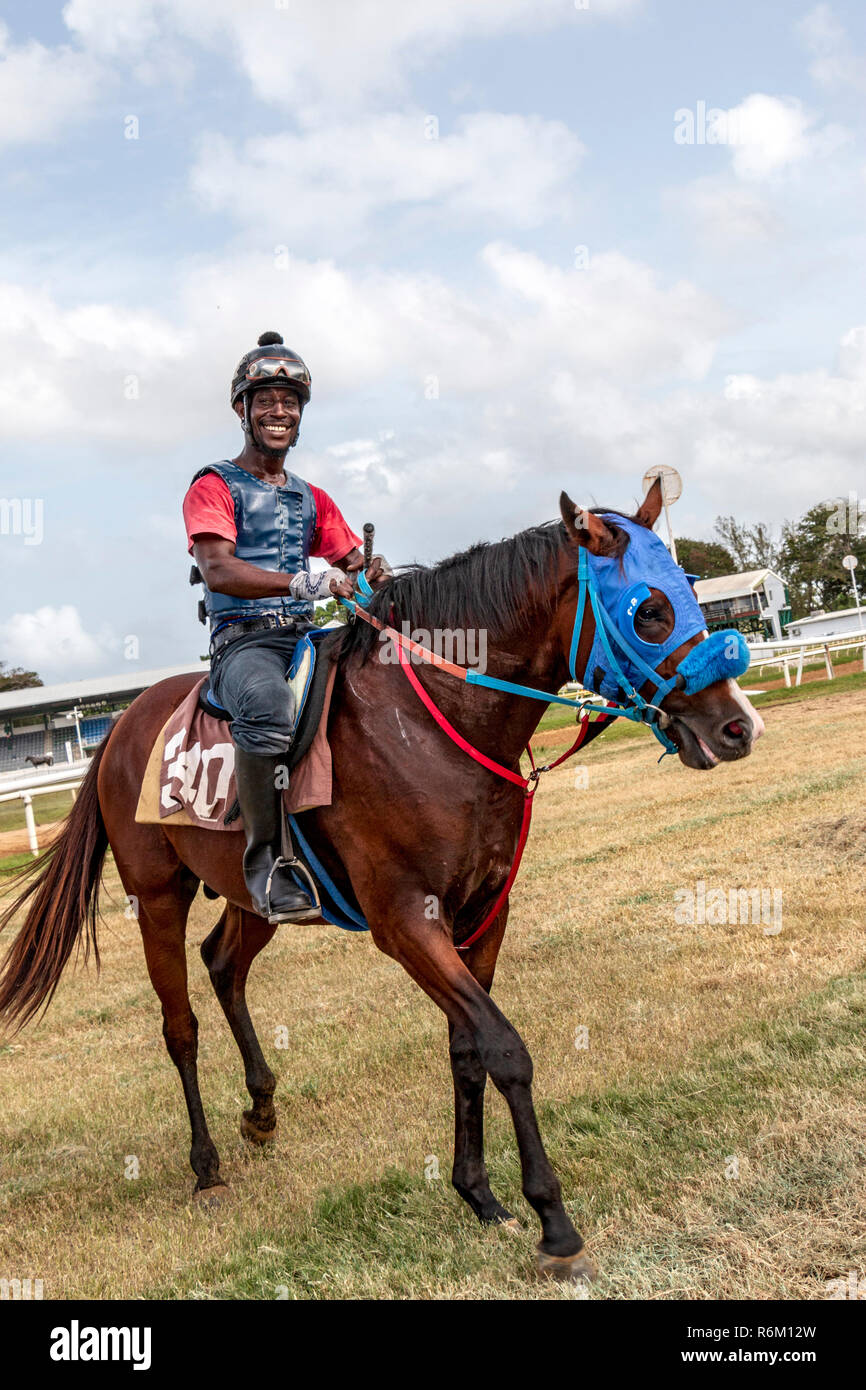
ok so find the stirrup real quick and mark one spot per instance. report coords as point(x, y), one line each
point(295, 865)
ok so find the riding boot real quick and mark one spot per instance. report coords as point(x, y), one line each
point(275, 895)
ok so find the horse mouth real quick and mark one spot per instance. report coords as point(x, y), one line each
point(693, 750)
point(730, 742)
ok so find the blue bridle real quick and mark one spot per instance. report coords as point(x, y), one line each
point(620, 662)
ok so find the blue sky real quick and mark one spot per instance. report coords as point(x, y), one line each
point(552, 292)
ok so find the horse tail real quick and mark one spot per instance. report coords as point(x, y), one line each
point(63, 892)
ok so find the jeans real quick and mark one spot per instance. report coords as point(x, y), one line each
point(248, 677)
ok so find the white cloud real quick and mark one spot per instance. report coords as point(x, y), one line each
point(79, 371)
point(765, 447)
point(542, 373)
point(43, 89)
point(725, 214)
point(322, 190)
point(54, 640)
point(311, 60)
point(760, 447)
point(315, 58)
point(835, 64)
point(614, 318)
point(113, 30)
point(413, 481)
point(776, 445)
point(123, 373)
point(545, 374)
point(770, 135)
point(852, 354)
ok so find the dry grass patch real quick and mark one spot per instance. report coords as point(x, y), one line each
point(706, 1043)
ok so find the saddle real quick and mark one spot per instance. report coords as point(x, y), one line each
point(308, 681)
point(307, 678)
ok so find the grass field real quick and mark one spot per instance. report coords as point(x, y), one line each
point(710, 1139)
point(47, 808)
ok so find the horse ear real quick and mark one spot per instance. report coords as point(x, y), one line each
point(649, 510)
point(584, 527)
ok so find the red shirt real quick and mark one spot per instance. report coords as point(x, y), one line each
point(208, 509)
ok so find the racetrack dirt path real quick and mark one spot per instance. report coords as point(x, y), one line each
point(17, 842)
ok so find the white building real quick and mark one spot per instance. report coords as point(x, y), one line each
point(755, 602)
point(66, 722)
point(837, 624)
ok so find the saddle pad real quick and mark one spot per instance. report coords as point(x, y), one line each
point(190, 780)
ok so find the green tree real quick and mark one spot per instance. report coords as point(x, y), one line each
point(765, 550)
point(753, 547)
point(735, 538)
point(16, 678)
point(706, 559)
point(811, 559)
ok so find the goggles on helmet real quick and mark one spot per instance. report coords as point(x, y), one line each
point(264, 367)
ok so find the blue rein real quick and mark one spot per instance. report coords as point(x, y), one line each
point(723, 656)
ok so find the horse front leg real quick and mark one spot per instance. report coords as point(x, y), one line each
point(469, 1175)
point(429, 956)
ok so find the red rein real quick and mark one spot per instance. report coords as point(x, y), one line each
point(528, 784)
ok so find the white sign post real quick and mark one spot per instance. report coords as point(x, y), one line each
point(849, 563)
point(672, 488)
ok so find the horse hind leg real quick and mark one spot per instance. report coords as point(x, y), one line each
point(228, 952)
point(163, 922)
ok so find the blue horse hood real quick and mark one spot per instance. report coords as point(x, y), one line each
point(622, 585)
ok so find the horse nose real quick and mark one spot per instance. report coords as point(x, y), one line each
point(739, 733)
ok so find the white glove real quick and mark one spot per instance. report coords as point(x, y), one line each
point(312, 588)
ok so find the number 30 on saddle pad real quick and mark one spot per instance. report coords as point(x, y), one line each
point(190, 779)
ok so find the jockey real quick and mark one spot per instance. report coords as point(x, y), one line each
point(252, 526)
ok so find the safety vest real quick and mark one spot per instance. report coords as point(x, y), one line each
point(275, 528)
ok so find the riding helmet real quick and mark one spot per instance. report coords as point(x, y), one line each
point(271, 350)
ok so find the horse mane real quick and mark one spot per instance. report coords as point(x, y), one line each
point(492, 585)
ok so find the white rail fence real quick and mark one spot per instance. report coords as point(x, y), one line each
point(66, 779)
point(794, 653)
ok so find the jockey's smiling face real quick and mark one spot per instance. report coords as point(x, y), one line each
point(275, 415)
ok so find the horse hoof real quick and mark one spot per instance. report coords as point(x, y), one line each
point(574, 1269)
point(212, 1197)
point(511, 1224)
point(253, 1133)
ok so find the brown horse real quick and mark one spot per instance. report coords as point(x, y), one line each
point(413, 820)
